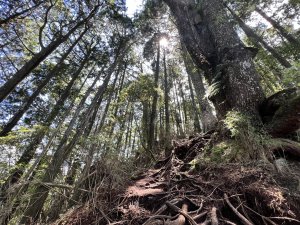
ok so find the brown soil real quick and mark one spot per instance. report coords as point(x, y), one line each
point(174, 193)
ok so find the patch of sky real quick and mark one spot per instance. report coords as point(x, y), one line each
point(133, 7)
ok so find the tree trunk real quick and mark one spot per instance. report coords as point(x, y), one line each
point(167, 144)
point(59, 199)
point(37, 59)
point(14, 16)
point(215, 47)
point(281, 29)
point(153, 114)
point(197, 125)
point(30, 149)
point(40, 193)
point(89, 158)
point(258, 40)
point(54, 72)
point(207, 117)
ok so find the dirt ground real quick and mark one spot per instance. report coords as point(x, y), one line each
point(178, 192)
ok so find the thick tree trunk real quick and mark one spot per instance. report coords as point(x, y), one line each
point(259, 40)
point(281, 29)
point(215, 47)
point(54, 72)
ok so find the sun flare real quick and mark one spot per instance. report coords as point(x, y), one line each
point(164, 42)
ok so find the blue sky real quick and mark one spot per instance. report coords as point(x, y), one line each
point(133, 6)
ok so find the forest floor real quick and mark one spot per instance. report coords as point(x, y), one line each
point(180, 191)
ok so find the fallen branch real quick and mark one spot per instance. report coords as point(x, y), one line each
point(284, 218)
point(157, 217)
point(178, 210)
point(263, 217)
point(200, 215)
point(228, 222)
point(214, 218)
point(244, 220)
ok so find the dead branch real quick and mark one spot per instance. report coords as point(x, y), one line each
point(178, 210)
point(157, 217)
point(214, 218)
point(244, 220)
point(200, 215)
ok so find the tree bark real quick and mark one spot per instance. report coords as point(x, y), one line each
point(167, 135)
point(197, 125)
point(281, 113)
point(153, 113)
point(215, 47)
point(207, 117)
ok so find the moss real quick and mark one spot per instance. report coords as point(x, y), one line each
point(251, 141)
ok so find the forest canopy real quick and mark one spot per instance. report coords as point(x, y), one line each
point(90, 95)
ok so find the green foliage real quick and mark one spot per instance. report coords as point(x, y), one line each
point(252, 142)
point(291, 76)
point(214, 89)
point(15, 137)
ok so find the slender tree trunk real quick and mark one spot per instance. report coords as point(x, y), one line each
point(281, 29)
point(178, 111)
point(89, 158)
point(207, 117)
point(59, 199)
point(38, 58)
point(14, 199)
point(259, 40)
point(153, 114)
point(54, 72)
point(167, 144)
point(122, 127)
point(14, 16)
point(145, 123)
point(31, 148)
point(181, 93)
point(40, 193)
point(196, 110)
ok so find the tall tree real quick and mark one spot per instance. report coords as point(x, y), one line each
point(52, 73)
point(153, 113)
point(216, 48)
point(31, 64)
point(280, 28)
point(64, 148)
point(259, 40)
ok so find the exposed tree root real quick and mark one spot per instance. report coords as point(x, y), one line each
point(177, 192)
